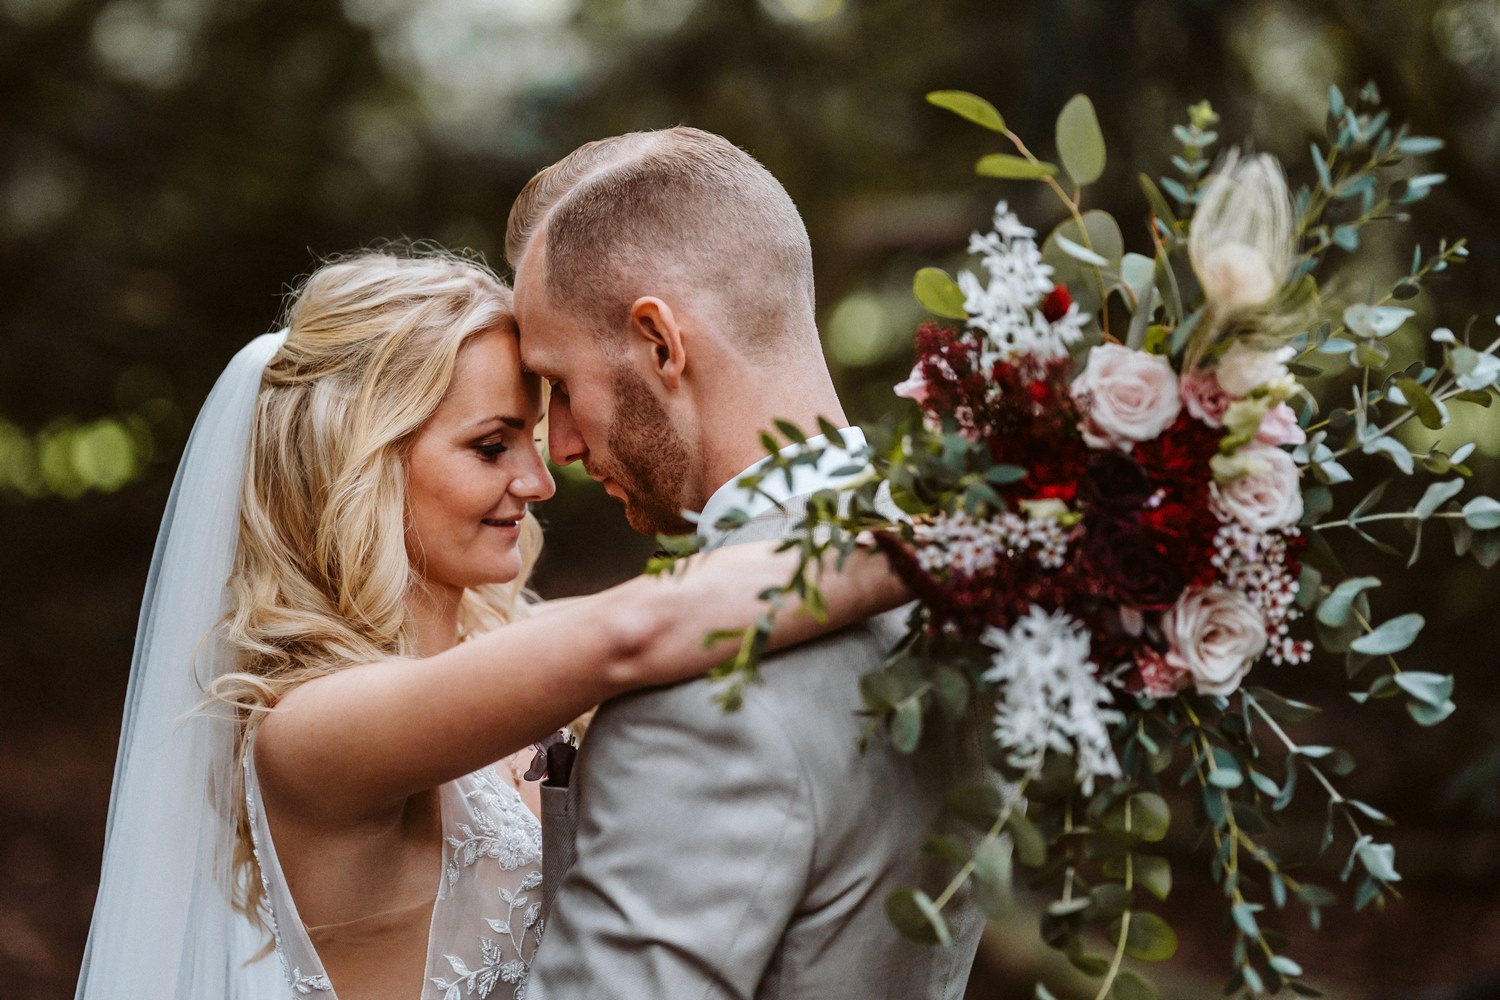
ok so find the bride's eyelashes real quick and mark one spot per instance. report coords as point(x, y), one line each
point(491, 451)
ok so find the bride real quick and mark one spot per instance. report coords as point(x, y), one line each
point(308, 762)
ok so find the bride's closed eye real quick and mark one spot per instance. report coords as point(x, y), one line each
point(492, 450)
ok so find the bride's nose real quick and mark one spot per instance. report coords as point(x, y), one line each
point(534, 482)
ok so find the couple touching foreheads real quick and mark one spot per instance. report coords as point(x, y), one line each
point(323, 759)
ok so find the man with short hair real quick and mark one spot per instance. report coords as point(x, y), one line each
point(664, 289)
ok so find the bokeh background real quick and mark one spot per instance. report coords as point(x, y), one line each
point(168, 167)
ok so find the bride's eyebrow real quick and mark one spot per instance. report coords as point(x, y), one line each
point(515, 423)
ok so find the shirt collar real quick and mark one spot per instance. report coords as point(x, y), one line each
point(775, 490)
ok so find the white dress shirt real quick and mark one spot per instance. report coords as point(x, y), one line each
point(774, 489)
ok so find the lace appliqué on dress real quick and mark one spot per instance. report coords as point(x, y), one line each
point(508, 833)
point(486, 922)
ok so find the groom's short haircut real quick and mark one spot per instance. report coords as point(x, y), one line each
point(676, 209)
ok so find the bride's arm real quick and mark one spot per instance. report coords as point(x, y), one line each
point(358, 742)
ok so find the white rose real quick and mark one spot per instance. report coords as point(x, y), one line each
point(1217, 634)
point(1268, 496)
point(1127, 396)
point(1244, 368)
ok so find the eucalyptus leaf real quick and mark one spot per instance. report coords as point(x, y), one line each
point(938, 293)
point(1426, 408)
point(1158, 203)
point(1080, 143)
point(993, 877)
point(1082, 253)
point(1379, 860)
point(1334, 611)
point(906, 726)
point(1397, 452)
point(1285, 710)
point(1131, 986)
point(1437, 494)
point(1424, 714)
point(1031, 847)
point(969, 106)
point(914, 915)
point(1390, 637)
point(1482, 513)
point(1149, 937)
point(1008, 167)
point(1434, 689)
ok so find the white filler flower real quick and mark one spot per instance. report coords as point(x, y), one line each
point(1005, 308)
point(1050, 696)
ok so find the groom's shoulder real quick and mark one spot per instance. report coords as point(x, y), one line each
point(819, 678)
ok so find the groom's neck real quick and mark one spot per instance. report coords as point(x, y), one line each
point(734, 420)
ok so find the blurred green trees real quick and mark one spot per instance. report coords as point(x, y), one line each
point(168, 167)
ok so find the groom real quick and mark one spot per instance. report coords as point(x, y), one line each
point(664, 288)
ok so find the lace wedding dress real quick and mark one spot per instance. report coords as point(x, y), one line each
point(486, 921)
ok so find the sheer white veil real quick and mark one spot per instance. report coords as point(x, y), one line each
point(163, 926)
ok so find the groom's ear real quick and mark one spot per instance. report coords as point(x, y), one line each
point(656, 326)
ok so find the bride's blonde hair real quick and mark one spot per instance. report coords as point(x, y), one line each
point(321, 577)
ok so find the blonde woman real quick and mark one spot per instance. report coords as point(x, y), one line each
point(362, 481)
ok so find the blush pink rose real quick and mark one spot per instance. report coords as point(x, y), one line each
point(1269, 496)
point(1204, 397)
point(1216, 634)
point(1279, 426)
point(915, 386)
point(1162, 676)
point(1127, 396)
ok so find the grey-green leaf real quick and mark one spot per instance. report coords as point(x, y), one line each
point(1434, 689)
point(1334, 611)
point(1482, 513)
point(968, 106)
point(1437, 494)
point(906, 726)
point(1080, 143)
point(1390, 637)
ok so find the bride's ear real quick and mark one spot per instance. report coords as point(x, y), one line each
point(657, 330)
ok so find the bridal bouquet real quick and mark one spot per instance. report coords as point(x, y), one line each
point(1118, 486)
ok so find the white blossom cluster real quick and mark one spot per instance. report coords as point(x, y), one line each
point(1005, 306)
point(956, 543)
point(1050, 697)
point(1255, 564)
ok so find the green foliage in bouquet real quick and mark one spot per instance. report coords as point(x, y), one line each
point(1102, 549)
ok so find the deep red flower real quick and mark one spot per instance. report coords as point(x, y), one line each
point(1057, 303)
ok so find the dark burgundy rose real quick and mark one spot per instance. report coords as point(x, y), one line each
point(1134, 564)
point(1115, 482)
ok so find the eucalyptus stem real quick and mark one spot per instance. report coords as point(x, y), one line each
point(1396, 515)
point(1071, 203)
point(1119, 957)
point(1008, 807)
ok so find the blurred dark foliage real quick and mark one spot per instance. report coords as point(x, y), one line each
point(152, 218)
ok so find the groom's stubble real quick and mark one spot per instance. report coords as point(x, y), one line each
point(653, 459)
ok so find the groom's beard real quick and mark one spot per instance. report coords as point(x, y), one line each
point(652, 461)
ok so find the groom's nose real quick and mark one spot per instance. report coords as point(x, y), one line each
point(565, 444)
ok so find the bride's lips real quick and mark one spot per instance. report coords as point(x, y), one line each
point(507, 525)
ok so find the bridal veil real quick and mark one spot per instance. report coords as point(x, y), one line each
point(163, 925)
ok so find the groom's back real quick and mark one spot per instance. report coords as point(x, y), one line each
point(750, 854)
